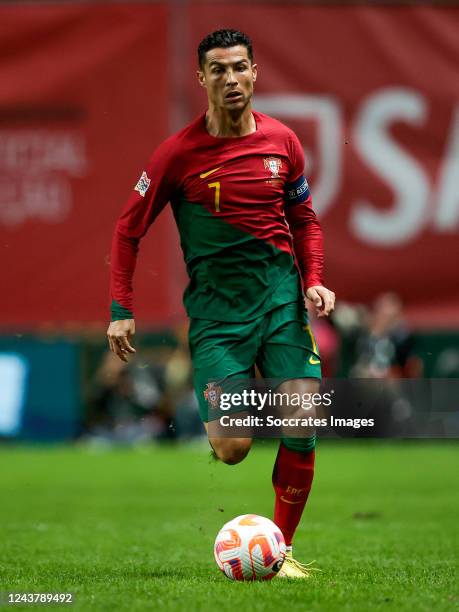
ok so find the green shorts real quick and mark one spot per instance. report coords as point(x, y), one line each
point(279, 342)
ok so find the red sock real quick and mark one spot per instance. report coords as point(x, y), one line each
point(292, 479)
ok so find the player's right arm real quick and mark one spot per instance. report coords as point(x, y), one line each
point(150, 195)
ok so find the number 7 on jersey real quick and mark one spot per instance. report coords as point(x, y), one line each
point(216, 186)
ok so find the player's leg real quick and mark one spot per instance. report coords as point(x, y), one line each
point(220, 353)
point(290, 351)
point(230, 450)
point(293, 471)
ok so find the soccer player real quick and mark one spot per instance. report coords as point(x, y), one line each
point(252, 244)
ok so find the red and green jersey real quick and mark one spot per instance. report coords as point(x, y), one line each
point(243, 211)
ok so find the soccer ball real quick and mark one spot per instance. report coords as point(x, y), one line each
point(250, 547)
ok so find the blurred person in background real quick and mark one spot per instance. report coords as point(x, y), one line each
point(180, 389)
point(127, 402)
point(384, 347)
point(379, 346)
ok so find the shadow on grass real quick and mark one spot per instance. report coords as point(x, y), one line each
point(146, 573)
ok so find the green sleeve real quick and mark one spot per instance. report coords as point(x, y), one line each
point(119, 313)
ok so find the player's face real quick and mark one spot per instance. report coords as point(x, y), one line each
point(228, 75)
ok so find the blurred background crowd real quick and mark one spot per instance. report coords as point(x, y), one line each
point(88, 91)
point(153, 396)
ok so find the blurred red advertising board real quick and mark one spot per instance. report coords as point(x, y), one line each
point(373, 93)
point(83, 102)
point(88, 91)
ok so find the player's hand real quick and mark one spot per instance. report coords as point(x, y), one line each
point(119, 336)
point(322, 298)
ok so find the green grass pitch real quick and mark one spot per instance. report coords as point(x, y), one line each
point(134, 529)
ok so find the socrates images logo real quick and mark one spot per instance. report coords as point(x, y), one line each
point(212, 394)
point(143, 184)
point(274, 164)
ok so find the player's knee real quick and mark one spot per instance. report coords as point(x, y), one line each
point(232, 451)
point(235, 454)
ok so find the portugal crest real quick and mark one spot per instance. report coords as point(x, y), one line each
point(212, 394)
point(273, 164)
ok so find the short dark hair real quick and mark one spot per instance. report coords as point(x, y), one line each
point(223, 39)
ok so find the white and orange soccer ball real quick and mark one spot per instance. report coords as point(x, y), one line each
point(250, 547)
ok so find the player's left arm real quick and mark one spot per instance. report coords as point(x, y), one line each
point(307, 235)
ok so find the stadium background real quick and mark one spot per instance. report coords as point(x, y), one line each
point(101, 496)
point(88, 91)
